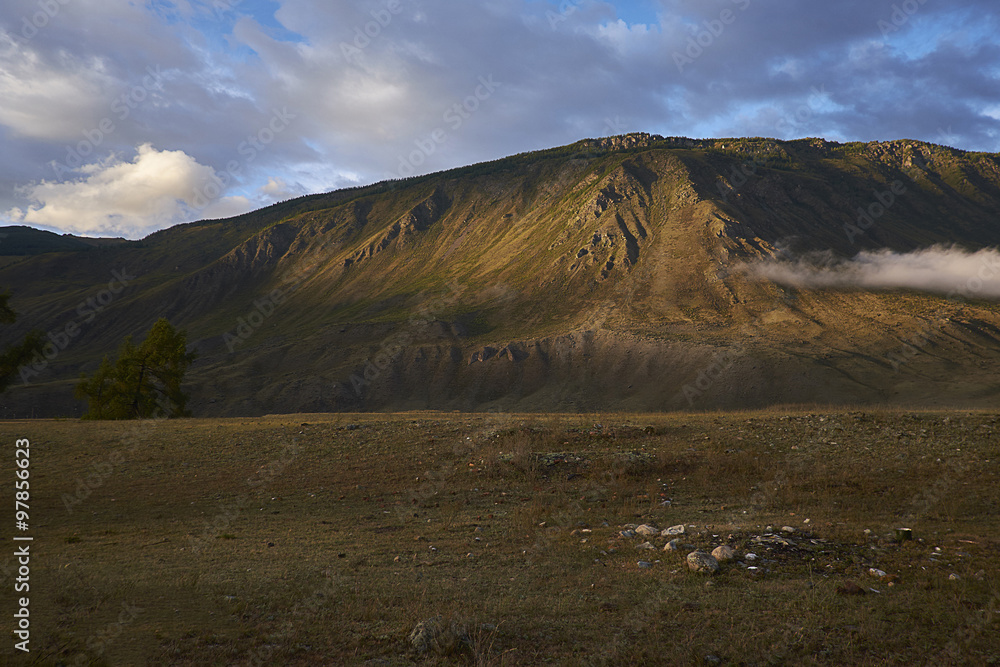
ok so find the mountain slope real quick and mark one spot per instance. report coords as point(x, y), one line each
point(602, 275)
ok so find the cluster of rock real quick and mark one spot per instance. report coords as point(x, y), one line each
point(698, 560)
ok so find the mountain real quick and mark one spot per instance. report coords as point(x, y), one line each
point(19, 240)
point(604, 275)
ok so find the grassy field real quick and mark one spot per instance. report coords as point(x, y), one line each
point(324, 539)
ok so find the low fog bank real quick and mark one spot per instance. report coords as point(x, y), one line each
point(950, 271)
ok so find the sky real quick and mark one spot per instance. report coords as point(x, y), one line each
point(123, 117)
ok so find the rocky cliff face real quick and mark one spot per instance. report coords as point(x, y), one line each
point(603, 275)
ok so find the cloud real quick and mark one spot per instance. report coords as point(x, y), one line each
point(156, 189)
point(31, 83)
point(568, 70)
point(277, 189)
point(950, 271)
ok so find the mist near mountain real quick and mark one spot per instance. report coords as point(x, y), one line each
point(952, 271)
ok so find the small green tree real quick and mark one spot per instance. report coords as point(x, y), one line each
point(16, 356)
point(142, 379)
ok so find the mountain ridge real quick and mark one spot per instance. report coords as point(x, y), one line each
point(600, 275)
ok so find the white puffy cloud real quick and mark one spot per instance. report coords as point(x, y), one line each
point(114, 197)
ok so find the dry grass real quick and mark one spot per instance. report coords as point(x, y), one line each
point(237, 546)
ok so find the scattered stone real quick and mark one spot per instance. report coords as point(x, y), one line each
point(878, 574)
point(850, 588)
point(442, 638)
point(644, 565)
point(904, 534)
point(702, 563)
point(645, 545)
point(647, 530)
point(673, 545)
point(787, 529)
point(628, 534)
point(713, 659)
point(773, 540)
point(751, 557)
point(953, 577)
point(673, 530)
point(723, 553)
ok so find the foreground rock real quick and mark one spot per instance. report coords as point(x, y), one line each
point(702, 563)
point(723, 553)
point(439, 636)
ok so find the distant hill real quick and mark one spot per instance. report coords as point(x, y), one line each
point(596, 276)
point(20, 240)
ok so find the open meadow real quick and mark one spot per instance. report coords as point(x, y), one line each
point(326, 539)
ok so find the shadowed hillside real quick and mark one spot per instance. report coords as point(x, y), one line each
point(601, 275)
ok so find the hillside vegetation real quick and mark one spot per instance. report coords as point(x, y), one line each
point(601, 275)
